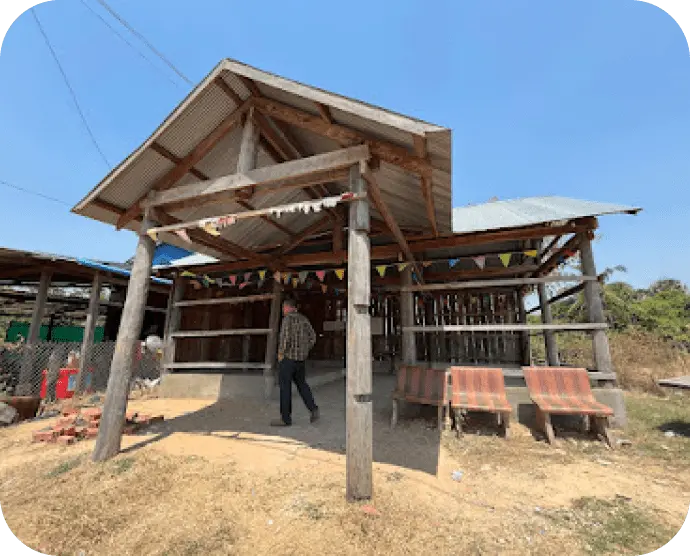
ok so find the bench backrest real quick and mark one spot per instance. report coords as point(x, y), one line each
point(421, 385)
point(478, 386)
point(558, 381)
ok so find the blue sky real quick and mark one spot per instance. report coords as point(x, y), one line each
point(587, 99)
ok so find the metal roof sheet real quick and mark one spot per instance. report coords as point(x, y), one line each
point(529, 211)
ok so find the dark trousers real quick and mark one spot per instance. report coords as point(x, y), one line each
point(290, 370)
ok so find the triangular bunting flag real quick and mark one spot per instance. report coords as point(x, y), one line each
point(153, 234)
point(187, 274)
point(505, 258)
point(402, 266)
point(452, 262)
point(247, 276)
point(262, 275)
point(480, 261)
point(530, 252)
point(295, 281)
point(381, 269)
point(324, 288)
point(243, 284)
point(209, 280)
point(340, 273)
point(210, 228)
point(427, 264)
point(233, 279)
point(321, 275)
point(182, 234)
point(303, 276)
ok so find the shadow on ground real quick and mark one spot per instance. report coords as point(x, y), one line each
point(413, 444)
point(679, 428)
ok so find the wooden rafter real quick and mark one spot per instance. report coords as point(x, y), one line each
point(197, 153)
point(553, 261)
point(388, 152)
point(309, 231)
point(204, 177)
point(325, 112)
point(426, 183)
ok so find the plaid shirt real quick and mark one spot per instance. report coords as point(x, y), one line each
point(297, 337)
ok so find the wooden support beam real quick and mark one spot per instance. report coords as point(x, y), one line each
point(359, 410)
point(270, 370)
point(246, 160)
point(295, 173)
point(228, 90)
point(500, 282)
point(595, 306)
point(578, 326)
point(89, 331)
point(165, 153)
point(224, 300)
point(199, 365)
point(174, 317)
point(426, 183)
point(553, 261)
point(324, 112)
point(386, 151)
point(113, 419)
point(309, 231)
point(409, 346)
point(550, 344)
point(377, 199)
point(27, 381)
point(206, 316)
point(217, 333)
point(197, 153)
point(525, 351)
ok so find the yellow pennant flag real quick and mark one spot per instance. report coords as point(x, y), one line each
point(402, 266)
point(153, 234)
point(187, 274)
point(381, 269)
point(530, 252)
point(262, 274)
point(211, 229)
point(340, 273)
point(295, 281)
point(505, 258)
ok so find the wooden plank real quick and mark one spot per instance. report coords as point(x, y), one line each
point(206, 325)
point(214, 365)
point(324, 112)
point(586, 326)
point(409, 346)
point(224, 300)
point(216, 333)
point(359, 410)
point(554, 260)
point(173, 320)
point(249, 214)
point(309, 231)
point(246, 160)
point(426, 183)
point(501, 282)
point(89, 331)
point(595, 306)
point(676, 382)
point(197, 153)
point(550, 344)
point(292, 172)
point(377, 199)
point(113, 418)
point(386, 151)
point(270, 370)
point(228, 90)
point(165, 153)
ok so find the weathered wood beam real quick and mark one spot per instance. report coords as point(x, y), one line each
point(587, 327)
point(272, 339)
point(224, 300)
point(165, 153)
point(303, 235)
point(388, 152)
point(228, 90)
point(173, 320)
point(553, 261)
point(293, 172)
point(197, 153)
point(217, 333)
point(246, 160)
point(500, 282)
point(426, 183)
point(89, 331)
point(325, 112)
point(409, 347)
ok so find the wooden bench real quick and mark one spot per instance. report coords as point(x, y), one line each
point(566, 391)
point(422, 386)
point(479, 389)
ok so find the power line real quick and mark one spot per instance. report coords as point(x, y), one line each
point(143, 39)
point(36, 193)
point(71, 90)
point(123, 39)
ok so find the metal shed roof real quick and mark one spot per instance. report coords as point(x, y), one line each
point(209, 104)
point(528, 211)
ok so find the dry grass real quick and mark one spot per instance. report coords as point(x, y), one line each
point(520, 496)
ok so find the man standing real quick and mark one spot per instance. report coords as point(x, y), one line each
point(297, 337)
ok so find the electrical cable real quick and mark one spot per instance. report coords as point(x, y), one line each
point(30, 192)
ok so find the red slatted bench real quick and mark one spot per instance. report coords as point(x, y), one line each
point(422, 386)
point(566, 391)
point(479, 389)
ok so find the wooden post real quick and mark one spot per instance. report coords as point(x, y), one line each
point(172, 321)
point(595, 307)
point(248, 147)
point(113, 418)
point(409, 348)
point(205, 343)
point(359, 440)
point(26, 385)
point(272, 339)
point(549, 338)
point(526, 357)
point(89, 331)
point(246, 340)
point(55, 361)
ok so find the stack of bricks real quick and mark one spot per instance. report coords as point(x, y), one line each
point(73, 425)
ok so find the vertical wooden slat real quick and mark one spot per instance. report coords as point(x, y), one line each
point(272, 339)
point(407, 308)
point(89, 331)
point(173, 321)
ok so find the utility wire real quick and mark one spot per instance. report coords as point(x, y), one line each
point(36, 193)
point(143, 39)
point(123, 39)
point(71, 90)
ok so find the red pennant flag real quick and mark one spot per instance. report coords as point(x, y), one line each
point(233, 279)
point(321, 275)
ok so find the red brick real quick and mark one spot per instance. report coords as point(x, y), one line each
point(66, 411)
point(93, 424)
point(58, 430)
point(67, 421)
point(130, 429)
point(80, 431)
point(66, 440)
point(91, 433)
point(92, 413)
point(44, 436)
point(131, 415)
point(142, 419)
point(69, 431)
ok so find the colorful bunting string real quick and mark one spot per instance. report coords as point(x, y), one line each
point(505, 258)
point(480, 261)
point(321, 275)
point(303, 276)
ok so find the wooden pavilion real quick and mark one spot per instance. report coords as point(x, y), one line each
point(289, 189)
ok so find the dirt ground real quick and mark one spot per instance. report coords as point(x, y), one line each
point(215, 479)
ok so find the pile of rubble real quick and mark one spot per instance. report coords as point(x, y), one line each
point(76, 424)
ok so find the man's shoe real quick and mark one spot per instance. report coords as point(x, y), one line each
point(314, 416)
point(279, 423)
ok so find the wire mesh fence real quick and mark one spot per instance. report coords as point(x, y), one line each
point(51, 369)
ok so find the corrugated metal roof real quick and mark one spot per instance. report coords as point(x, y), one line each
point(529, 211)
point(207, 105)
